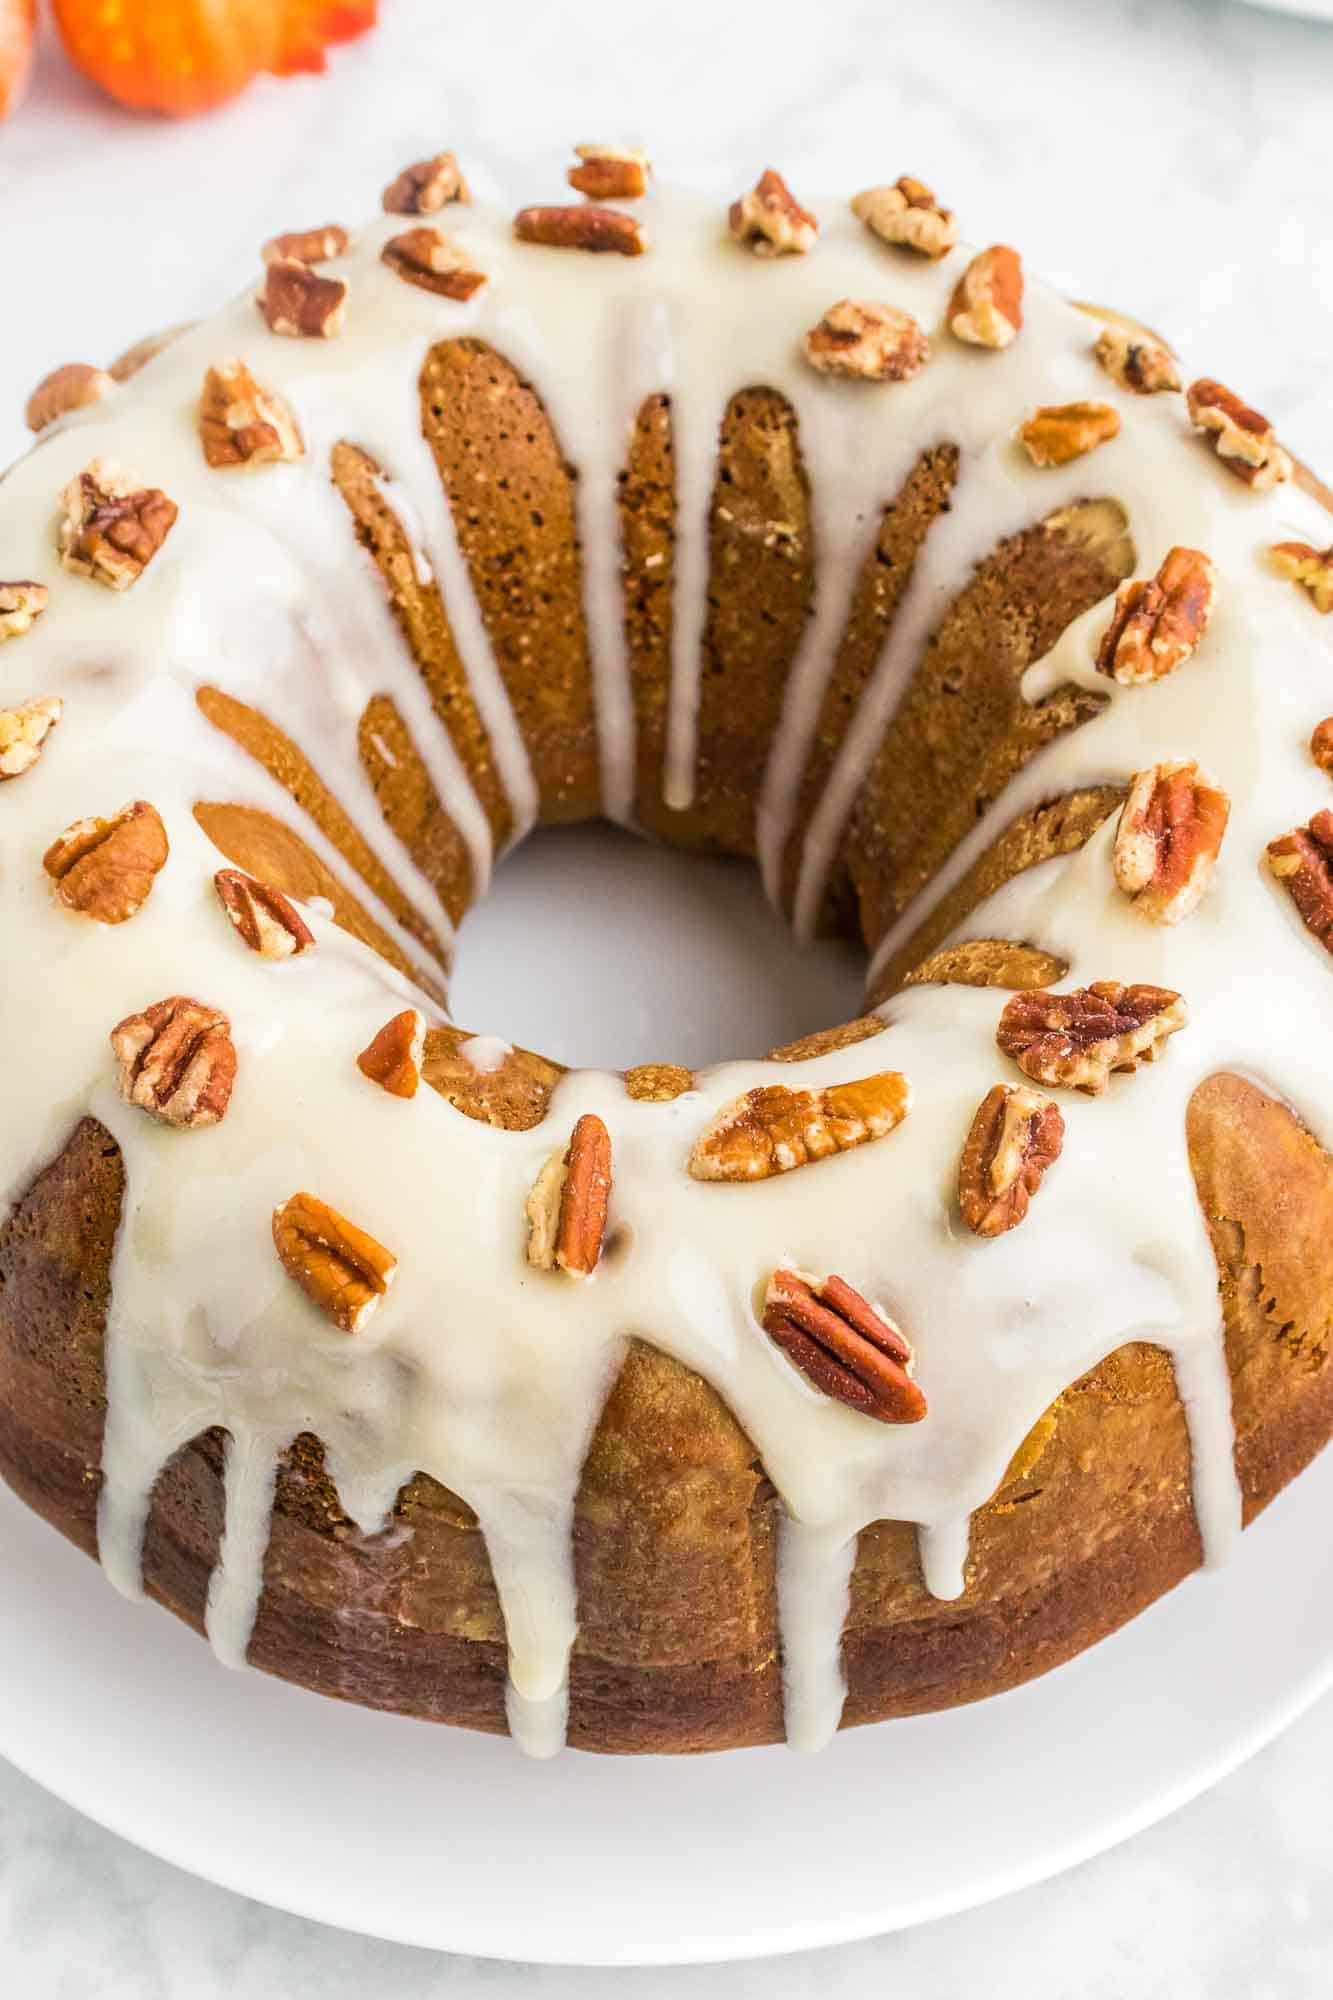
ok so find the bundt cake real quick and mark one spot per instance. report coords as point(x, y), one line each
point(661, 1410)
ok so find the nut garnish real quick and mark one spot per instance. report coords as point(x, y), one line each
point(567, 1203)
point(426, 186)
point(1137, 360)
point(773, 1129)
point(877, 343)
point(1302, 861)
point(261, 916)
point(770, 221)
point(297, 302)
point(426, 258)
point(1016, 1135)
point(1059, 432)
point(1243, 440)
point(907, 213)
point(986, 308)
point(21, 605)
point(583, 226)
point(658, 1083)
point(70, 387)
point(339, 1267)
point(393, 1058)
point(1079, 1038)
point(842, 1344)
point(1321, 744)
point(242, 424)
point(177, 1060)
point(110, 529)
point(307, 246)
point(1158, 623)
point(23, 732)
point(1166, 845)
point(105, 868)
point(610, 173)
point(1310, 567)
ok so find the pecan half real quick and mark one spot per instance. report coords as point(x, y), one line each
point(1079, 1038)
point(1158, 623)
point(1166, 845)
point(1016, 1135)
point(610, 173)
point(773, 1129)
point(425, 258)
point(907, 213)
point(581, 227)
point(110, 529)
point(393, 1059)
point(242, 424)
point(177, 1060)
point(1310, 567)
point(425, 186)
point(72, 386)
point(1321, 744)
point(261, 916)
point(876, 343)
point(1060, 432)
point(307, 246)
point(339, 1267)
point(1137, 360)
point(770, 221)
point(23, 733)
point(1243, 440)
point(1302, 861)
point(297, 302)
point(986, 308)
point(567, 1203)
point(842, 1344)
point(21, 605)
point(105, 868)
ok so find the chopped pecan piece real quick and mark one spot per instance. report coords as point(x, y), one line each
point(986, 309)
point(1243, 440)
point(609, 173)
point(1321, 745)
point(773, 1129)
point(307, 246)
point(70, 387)
point(1157, 624)
point(907, 213)
point(23, 733)
point(1137, 360)
point(110, 529)
point(393, 1059)
point(177, 1060)
point(423, 257)
point(581, 227)
point(1016, 1135)
point(567, 1203)
point(658, 1083)
point(105, 868)
point(261, 916)
point(1302, 861)
point(1310, 567)
point(770, 221)
point(1166, 845)
point(21, 605)
point(426, 186)
point(874, 342)
point(844, 1345)
point(242, 424)
point(297, 302)
point(1079, 1038)
point(1060, 432)
point(339, 1267)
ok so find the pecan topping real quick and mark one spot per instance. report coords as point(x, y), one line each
point(1077, 1039)
point(1137, 360)
point(340, 1268)
point(1243, 440)
point(1157, 624)
point(393, 1058)
point(70, 387)
point(1166, 845)
point(770, 221)
point(773, 1129)
point(297, 302)
point(1310, 567)
point(21, 605)
point(987, 304)
point(1321, 745)
point(426, 186)
point(1059, 432)
point(242, 424)
point(1302, 861)
point(658, 1083)
point(23, 732)
point(423, 257)
point(307, 246)
point(907, 213)
point(105, 868)
point(581, 227)
point(262, 917)
point(177, 1060)
point(859, 338)
point(610, 173)
point(567, 1204)
point(842, 1344)
point(110, 529)
point(1016, 1134)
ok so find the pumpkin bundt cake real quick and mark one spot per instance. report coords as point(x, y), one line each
point(661, 1410)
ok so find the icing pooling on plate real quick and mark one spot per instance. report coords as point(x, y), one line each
point(496, 1391)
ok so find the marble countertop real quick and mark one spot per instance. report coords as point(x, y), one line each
point(1172, 157)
